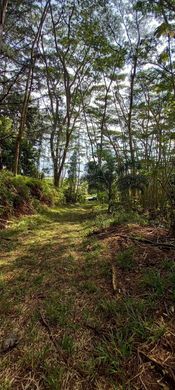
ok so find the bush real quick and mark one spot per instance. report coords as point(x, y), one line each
point(21, 195)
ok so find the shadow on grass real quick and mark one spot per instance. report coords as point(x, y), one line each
point(33, 260)
point(46, 219)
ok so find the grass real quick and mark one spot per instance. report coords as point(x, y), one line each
point(153, 280)
point(89, 286)
point(125, 259)
point(67, 344)
point(58, 311)
point(49, 265)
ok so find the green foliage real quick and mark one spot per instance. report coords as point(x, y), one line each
point(5, 127)
point(29, 154)
point(122, 216)
point(20, 194)
point(109, 308)
point(129, 182)
point(102, 176)
point(53, 376)
point(71, 193)
point(119, 217)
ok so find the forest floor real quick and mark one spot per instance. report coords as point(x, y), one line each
point(83, 309)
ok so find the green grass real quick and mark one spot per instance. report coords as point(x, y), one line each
point(58, 310)
point(53, 377)
point(153, 281)
point(108, 307)
point(168, 265)
point(125, 259)
point(89, 286)
point(67, 344)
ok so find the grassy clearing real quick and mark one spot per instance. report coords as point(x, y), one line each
point(57, 297)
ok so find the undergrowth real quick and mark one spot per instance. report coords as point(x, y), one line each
point(25, 195)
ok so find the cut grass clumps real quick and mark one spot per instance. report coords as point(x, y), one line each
point(125, 260)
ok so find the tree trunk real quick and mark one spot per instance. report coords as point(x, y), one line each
point(3, 9)
point(28, 88)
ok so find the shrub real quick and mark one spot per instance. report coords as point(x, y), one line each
point(21, 194)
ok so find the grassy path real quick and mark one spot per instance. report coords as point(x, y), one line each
point(57, 303)
point(47, 281)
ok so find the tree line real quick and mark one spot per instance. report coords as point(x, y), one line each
point(91, 83)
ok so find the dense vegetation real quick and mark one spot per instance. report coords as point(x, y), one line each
point(87, 194)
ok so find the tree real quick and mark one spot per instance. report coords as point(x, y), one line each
point(102, 177)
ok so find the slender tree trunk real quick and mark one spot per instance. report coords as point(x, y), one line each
point(28, 88)
point(130, 135)
point(63, 160)
point(103, 122)
point(3, 9)
point(131, 99)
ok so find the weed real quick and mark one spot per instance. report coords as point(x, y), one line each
point(125, 259)
point(108, 356)
point(89, 286)
point(105, 269)
point(103, 221)
point(2, 284)
point(157, 332)
point(67, 344)
point(124, 344)
point(171, 278)
point(168, 265)
point(153, 280)
point(37, 281)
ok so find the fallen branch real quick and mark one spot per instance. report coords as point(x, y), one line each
point(146, 241)
point(5, 220)
point(7, 239)
point(167, 371)
point(46, 325)
point(114, 278)
point(98, 232)
point(99, 332)
point(128, 237)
